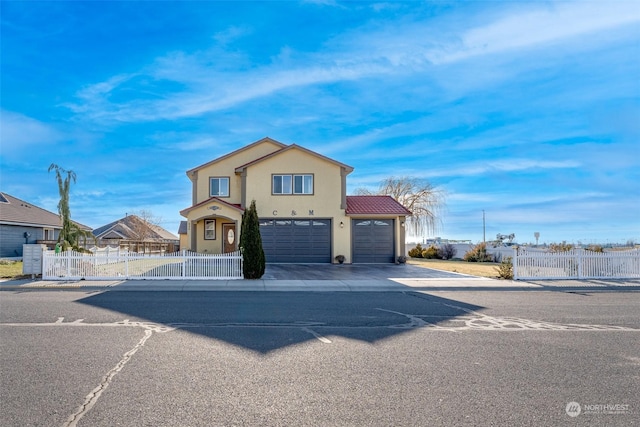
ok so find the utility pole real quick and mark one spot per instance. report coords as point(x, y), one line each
point(484, 237)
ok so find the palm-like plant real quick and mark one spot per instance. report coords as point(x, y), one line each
point(71, 233)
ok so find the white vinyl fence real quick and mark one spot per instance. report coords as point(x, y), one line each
point(118, 265)
point(575, 264)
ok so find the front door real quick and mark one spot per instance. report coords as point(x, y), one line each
point(229, 233)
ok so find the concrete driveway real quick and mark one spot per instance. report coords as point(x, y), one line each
point(353, 272)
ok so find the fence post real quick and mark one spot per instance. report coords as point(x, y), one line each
point(68, 256)
point(184, 263)
point(579, 253)
point(45, 261)
point(515, 263)
point(126, 265)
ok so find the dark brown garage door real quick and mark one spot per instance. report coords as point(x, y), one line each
point(373, 240)
point(290, 240)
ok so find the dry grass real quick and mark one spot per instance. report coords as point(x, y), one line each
point(482, 269)
point(10, 269)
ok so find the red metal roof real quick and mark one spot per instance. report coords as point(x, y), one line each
point(374, 205)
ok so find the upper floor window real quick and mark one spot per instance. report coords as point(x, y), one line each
point(292, 184)
point(219, 187)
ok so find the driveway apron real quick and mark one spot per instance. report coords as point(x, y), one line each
point(352, 272)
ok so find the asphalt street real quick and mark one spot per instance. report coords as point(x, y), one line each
point(405, 358)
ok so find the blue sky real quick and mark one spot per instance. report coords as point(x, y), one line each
point(529, 111)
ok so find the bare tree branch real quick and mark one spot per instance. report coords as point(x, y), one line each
point(425, 201)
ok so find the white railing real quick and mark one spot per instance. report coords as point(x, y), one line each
point(575, 264)
point(70, 265)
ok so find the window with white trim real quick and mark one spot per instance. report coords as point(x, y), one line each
point(292, 184)
point(209, 229)
point(48, 234)
point(219, 186)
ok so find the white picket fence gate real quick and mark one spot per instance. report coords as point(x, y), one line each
point(575, 264)
point(70, 265)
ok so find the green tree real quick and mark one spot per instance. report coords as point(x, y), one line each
point(71, 233)
point(253, 260)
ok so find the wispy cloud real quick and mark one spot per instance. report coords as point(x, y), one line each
point(19, 131)
point(206, 84)
point(555, 22)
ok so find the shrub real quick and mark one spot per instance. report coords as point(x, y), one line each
point(595, 248)
point(253, 264)
point(478, 254)
point(416, 252)
point(505, 269)
point(430, 253)
point(446, 251)
point(560, 247)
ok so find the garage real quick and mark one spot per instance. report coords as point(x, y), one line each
point(373, 240)
point(289, 240)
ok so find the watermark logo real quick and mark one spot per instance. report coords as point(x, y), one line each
point(573, 409)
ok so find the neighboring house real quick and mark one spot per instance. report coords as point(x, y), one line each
point(304, 211)
point(137, 235)
point(22, 222)
point(182, 233)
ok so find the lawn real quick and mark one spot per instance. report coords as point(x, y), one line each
point(483, 269)
point(9, 269)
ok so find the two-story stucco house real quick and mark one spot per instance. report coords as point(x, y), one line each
point(301, 199)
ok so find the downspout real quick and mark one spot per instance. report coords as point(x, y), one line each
point(243, 188)
point(343, 198)
point(194, 188)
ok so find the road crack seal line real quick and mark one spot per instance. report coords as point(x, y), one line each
point(481, 322)
point(93, 397)
point(80, 322)
point(317, 335)
point(414, 321)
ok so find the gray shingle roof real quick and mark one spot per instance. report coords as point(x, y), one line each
point(183, 227)
point(125, 228)
point(18, 212)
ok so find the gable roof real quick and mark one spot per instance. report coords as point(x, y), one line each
point(182, 229)
point(294, 147)
point(233, 153)
point(238, 207)
point(375, 205)
point(14, 211)
point(125, 228)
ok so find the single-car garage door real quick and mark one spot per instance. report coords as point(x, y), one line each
point(291, 240)
point(373, 240)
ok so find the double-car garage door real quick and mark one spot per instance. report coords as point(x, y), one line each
point(289, 240)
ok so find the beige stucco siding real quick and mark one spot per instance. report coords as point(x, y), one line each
point(326, 197)
point(250, 171)
point(323, 203)
point(213, 246)
point(222, 213)
point(184, 242)
point(226, 168)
